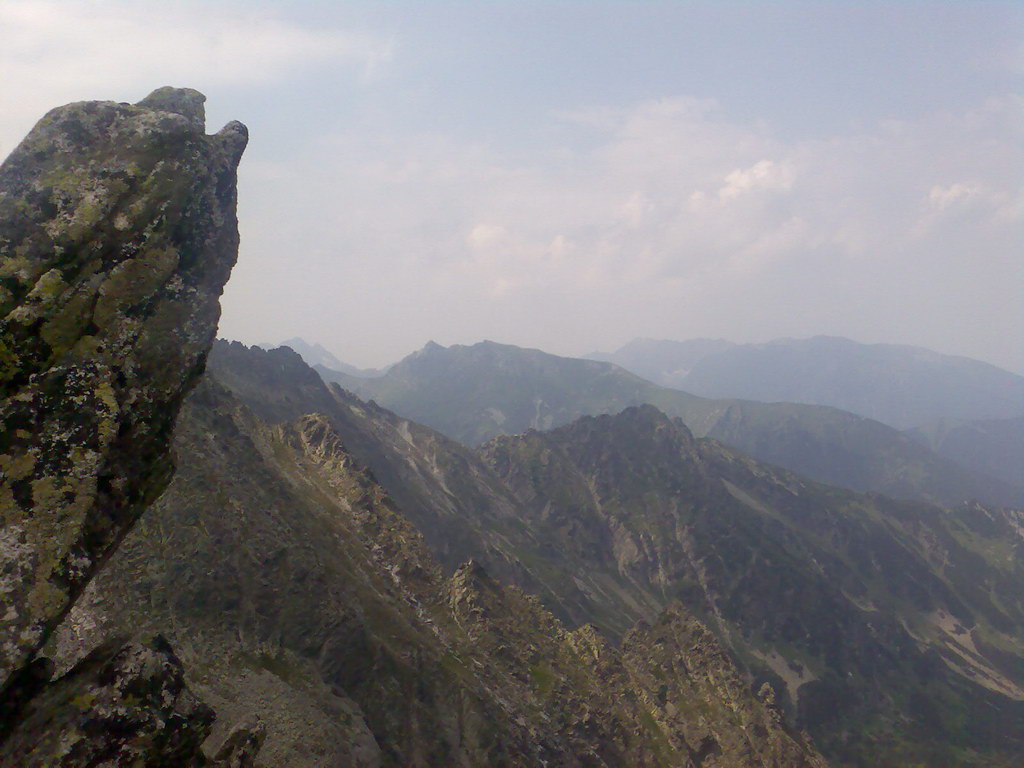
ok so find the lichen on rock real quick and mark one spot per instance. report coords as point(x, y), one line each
point(126, 703)
point(117, 234)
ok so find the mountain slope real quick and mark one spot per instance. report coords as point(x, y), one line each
point(475, 393)
point(995, 446)
point(887, 623)
point(880, 623)
point(901, 386)
point(294, 585)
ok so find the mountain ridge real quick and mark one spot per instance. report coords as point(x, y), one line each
point(473, 393)
point(900, 385)
point(356, 644)
point(837, 599)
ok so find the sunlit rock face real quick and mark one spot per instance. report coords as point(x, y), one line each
point(117, 234)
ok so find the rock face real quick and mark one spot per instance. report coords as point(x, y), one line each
point(125, 703)
point(117, 234)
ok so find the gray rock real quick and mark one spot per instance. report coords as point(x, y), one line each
point(117, 234)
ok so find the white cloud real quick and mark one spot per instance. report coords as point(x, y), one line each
point(670, 216)
point(944, 196)
point(484, 237)
point(56, 52)
point(763, 175)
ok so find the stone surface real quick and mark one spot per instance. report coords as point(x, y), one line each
point(117, 234)
point(123, 705)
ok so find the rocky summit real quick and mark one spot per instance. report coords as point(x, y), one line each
point(117, 234)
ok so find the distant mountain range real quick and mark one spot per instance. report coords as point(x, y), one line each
point(475, 393)
point(902, 386)
point(890, 630)
point(316, 354)
point(994, 446)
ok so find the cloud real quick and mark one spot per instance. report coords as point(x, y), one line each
point(56, 52)
point(663, 218)
point(763, 175)
point(942, 197)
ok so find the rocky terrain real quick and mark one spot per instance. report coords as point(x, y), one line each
point(292, 584)
point(117, 234)
point(323, 582)
point(890, 630)
point(881, 619)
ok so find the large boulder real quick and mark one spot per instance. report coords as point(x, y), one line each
point(117, 234)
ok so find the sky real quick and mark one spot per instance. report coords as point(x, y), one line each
point(571, 175)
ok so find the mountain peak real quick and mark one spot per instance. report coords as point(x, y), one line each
point(637, 423)
point(186, 102)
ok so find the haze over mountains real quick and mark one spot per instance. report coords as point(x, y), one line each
point(902, 386)
point(994, 446)
point(474, 393)
point(315, 354)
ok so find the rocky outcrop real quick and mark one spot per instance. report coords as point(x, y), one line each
point(704, 703)
point(117, 234)
point(126, 703)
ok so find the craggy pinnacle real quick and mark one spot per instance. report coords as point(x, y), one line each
point(117, 234)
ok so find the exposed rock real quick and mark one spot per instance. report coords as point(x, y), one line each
point(117, 234)
point(240, 747)
point(124, 704)
point(705, 702)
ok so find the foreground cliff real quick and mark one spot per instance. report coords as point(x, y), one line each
point(117, 234)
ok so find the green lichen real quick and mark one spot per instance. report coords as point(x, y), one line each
point(133, 281)
point(10, 363)
point(63, 330)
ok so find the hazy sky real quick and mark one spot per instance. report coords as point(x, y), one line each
point(569, 175)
